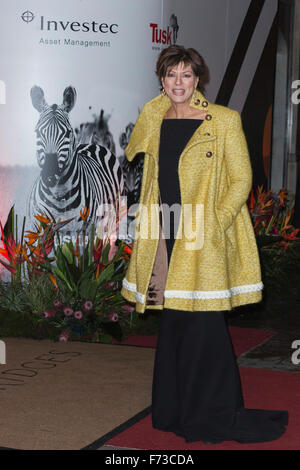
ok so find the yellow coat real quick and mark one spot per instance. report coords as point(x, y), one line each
point(215, 172)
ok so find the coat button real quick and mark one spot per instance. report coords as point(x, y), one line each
point(209, 154)
point(197, 101)
point(208, 117)
point(205, 104)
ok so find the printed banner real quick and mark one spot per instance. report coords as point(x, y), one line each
point(74, 76)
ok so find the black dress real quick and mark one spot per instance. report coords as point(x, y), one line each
point(196, 391)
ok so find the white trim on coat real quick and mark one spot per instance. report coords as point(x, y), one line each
point(198, 295)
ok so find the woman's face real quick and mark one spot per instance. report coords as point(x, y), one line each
point(180, 83)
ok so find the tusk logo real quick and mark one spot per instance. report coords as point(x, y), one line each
point(27, 16)
point(165, 36)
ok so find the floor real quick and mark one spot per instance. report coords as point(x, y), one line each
point(280, 351)
point(276, 353)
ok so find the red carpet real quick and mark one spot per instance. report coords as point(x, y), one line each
point(243, 339)
point(264, 389)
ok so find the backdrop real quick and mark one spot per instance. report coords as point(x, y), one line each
point(74, 75)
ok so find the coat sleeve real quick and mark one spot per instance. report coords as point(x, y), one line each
point(140, 135)
point(239, 172)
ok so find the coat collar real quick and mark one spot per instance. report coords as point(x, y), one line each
point(204, 133)
point(148, 142)
point(198, 101)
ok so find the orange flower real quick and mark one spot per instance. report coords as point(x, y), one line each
point(53, 280)
point(267, 204)
point(283, 193)
point(24, 254)
point(32, 237)
point(84, 214)
point(38, 254)
point(252, 200)
point(97, 271)
point(76, 251)
point(43, 219)
point(259, 191)
point(287, 219)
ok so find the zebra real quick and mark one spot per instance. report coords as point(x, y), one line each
point(72, 176)
point(133, 173)
point(96, 132)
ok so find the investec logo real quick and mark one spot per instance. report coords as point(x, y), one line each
point(47, 24)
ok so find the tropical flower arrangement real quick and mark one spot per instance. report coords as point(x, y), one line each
point(74, 290)
point(279, 248)
point(271, 214)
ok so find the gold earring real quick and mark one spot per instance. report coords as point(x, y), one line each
point(163, 91)
point(194, 97)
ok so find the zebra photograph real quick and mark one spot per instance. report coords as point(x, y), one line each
point(73, 174)
point(96, 132)
point(133, 173)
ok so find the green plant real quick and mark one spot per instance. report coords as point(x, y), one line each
point(13, 297)
point(280, 269)
point(62, 277)
point(39, 293)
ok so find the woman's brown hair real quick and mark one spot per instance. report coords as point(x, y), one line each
point(175, 54)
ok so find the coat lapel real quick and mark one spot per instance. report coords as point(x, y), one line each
point(204, 133)
point(146, 141)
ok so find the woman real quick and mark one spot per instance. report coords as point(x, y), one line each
point(195, 155)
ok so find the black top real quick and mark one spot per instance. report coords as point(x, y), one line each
point(174, 135)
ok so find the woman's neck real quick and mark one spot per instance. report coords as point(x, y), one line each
point(179, 111)
point(184, 111)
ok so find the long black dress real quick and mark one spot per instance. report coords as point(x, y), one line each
point(196, 391)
